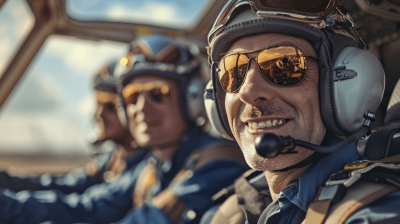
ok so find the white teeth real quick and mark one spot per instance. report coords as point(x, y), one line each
point(261, 124)
point(266, 124)
point(254, 125)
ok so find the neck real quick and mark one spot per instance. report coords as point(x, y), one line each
point(278, 181)
point(128, 145)
point(166, 153)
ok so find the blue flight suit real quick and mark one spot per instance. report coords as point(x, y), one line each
point(159, 192)
point(293, 202)
point(78, 180)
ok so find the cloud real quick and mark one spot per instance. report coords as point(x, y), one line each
point(35, 133)
point(22, 17)
point(84, 57)
point(47, 111)
point(150, 13)
point(36, 118)
point(5, 49)
point(87, 105)
point(16, 21)
point(37, 92)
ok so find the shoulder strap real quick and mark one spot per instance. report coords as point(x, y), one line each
point(357, 197)
point(250, 200)
point(245, 200)
point(228, 191)
point(220, 150)
point(229, 212)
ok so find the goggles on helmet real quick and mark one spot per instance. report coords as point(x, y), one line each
point(105, 79)
point(282, 66)
point(106, 97)
point(307, 11)
point(158, 90)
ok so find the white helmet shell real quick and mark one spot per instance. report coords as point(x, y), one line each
point(358, 87)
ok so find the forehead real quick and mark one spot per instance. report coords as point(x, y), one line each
point(268, 40)
point(151, 78)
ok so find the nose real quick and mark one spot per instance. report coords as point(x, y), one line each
point(144, 103)
point(255, 88)
point(99, 111)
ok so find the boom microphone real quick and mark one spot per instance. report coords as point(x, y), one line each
point(269, 145)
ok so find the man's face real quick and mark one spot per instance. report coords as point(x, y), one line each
point(106, 116)
point(156, 120)
point(294, 110)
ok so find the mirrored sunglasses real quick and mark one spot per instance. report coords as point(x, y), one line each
point(282, 66)
point(159, 91)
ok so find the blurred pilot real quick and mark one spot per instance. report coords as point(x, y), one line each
point(108, 165)
point(162, 88)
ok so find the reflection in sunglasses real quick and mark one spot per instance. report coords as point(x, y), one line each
point(159, 91)
point(284, 65)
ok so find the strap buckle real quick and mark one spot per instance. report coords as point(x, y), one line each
point(355, 175)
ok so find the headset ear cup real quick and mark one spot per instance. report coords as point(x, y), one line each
point(326, 95)
point(358, 87)
point(212, 112)
point(194, 100)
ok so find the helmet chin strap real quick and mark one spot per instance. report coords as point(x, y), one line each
point(313, 157)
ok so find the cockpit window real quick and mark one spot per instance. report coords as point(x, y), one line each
point(178, 14)
point(16, 21)
point(51, 110)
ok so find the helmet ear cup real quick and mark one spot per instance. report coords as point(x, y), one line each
point(352, 87)
point(194, 100)
point(358, 87)
point(212, 111)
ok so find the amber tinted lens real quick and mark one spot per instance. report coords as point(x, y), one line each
point(283, 65)
point(233, 69)
point(158, 91)
point(105, 97)
point(130, 93)
point(308, 6)
point(132, 99)
point(158, 95)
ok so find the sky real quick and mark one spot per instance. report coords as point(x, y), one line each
point(181, 14)
point(51, 109)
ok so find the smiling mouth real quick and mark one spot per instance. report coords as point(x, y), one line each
point(262, 125)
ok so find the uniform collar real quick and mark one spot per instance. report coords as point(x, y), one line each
point(301, 193)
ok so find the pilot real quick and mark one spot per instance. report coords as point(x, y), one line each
point(287, 131)
point(111, 160)
point(161, 84)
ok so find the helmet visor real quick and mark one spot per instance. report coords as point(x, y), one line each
point(307, 8)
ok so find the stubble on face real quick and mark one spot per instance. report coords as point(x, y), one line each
point(260, 100)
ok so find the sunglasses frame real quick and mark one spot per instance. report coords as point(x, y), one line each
point(258, 66)
point(143, 89)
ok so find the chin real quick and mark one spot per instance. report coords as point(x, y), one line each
point(142, 140)
point(253, 159)
point(257, 162)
